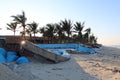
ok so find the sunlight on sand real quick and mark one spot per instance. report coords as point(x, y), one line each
point(101, 67)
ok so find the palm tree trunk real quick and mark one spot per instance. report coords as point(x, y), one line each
point(14, 33)
point(34, 37)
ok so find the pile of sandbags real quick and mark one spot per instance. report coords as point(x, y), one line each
point(6, 57)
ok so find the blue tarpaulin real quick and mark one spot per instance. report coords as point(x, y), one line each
point(2, 58)
point(85, 49)
point(3, 51)
point(11, 56)
point(22, 59)
point(77, 47)
point(58, 46)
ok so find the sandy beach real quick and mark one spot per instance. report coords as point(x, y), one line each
point(105, 65)
point(60, 40)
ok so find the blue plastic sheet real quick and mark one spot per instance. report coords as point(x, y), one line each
point(11, 53)
point(58, 46)
point(86, 49)
point(22, 59)
point(11, 56)
point(3, 51)
point(77, 47)
point(2, 58)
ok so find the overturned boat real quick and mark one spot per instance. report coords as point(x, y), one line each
point(43, 52)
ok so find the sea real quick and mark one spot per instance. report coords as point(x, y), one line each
point(116, 46)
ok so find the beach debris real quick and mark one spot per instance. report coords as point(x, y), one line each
point(37, 50)
point(97, 65)
point(116, 70)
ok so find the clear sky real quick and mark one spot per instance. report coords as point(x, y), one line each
point(102, 16)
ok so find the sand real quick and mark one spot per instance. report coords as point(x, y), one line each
point(7, 74)
point(105, 65)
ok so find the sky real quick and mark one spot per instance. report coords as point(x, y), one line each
point(102, 16)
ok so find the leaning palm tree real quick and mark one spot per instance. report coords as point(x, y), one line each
point(33, 27)
point(88, 30)
point(21, 19)
point(78, 27)
point(12, 27)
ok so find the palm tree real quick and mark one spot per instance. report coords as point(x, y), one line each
point(87, 35)
point(75, 38)
point(22, 34)
point(67, 27)
point(12, 27)
point(21, 19)
point(33, 27)
point(50, 30)
point(92, 38)
point(95, 40)
point(59, 32)
point(78, 27)
point(88, 30)
point(28, 31)
point(43, 31)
